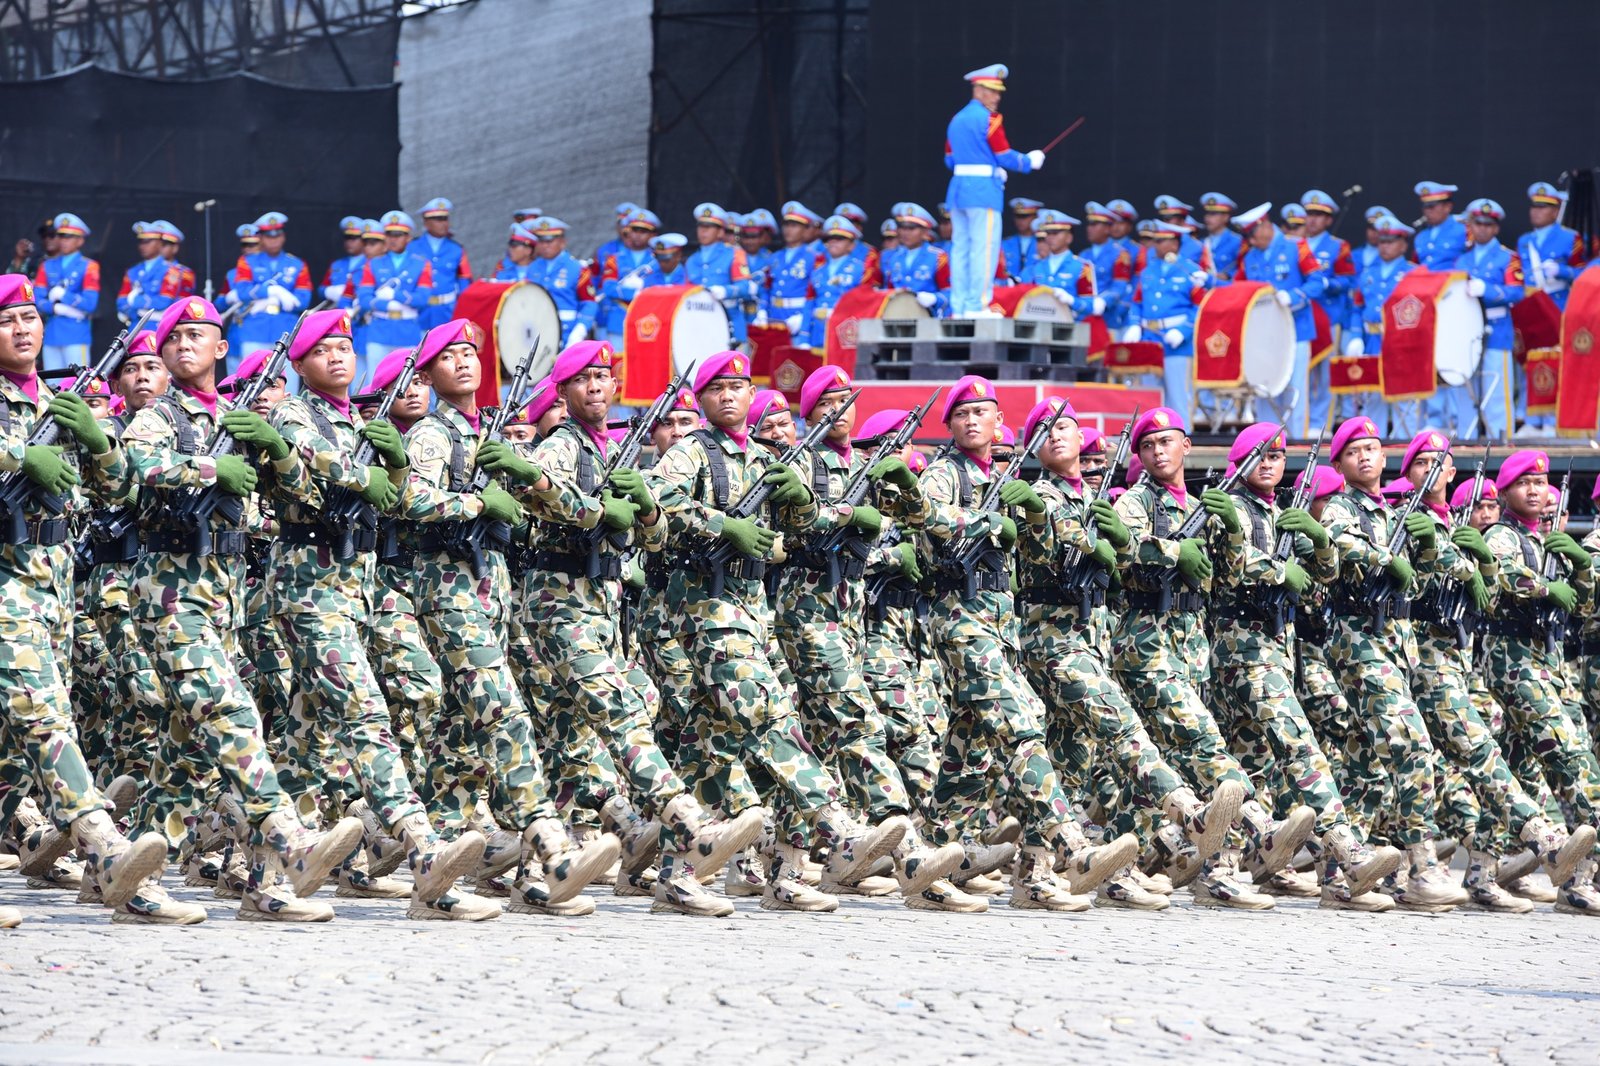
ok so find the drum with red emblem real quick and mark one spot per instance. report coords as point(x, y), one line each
point(669, 328)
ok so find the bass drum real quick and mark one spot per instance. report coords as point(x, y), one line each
point(513, 313)
point(1457, 334)
point(1244, 337)
point(1031, 303)
point(669, 329)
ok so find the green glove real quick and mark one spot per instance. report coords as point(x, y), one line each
point(1470, 541)
point(1109, 523)
point(1422, 528)
point(1023, 495)
point(908, 562)
point(1193, 562)
point(630, 484)
point(867, 519)
point(634, 578)
point(748, 539)
point(787, 488)
point(1400, 569)
point(1105, 554)
point(1480, 593)
point(73, 415)
point(1220, 504)
point(500, 506)
point(380, 491)
point(43, 465)
point(1295, 578)
point(247, 427)
point(1295, 520)
point(893, 470)
point(619, 512)
point(1562, 595)
point(386, 442)
point(1008, 532)
point(235, 476)
point(1563, 544)
point(501, 458)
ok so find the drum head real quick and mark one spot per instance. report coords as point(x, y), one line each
point(1268, 350)
point(903, 304)
point(1457, 335)
point(1041, 305)
point(527, 311)
point(699, 328)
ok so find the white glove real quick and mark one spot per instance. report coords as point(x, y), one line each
point(333, 292)
point(927, 299)
point(794, 322)
point(1133, 335)
point(1062, 294)
point(394, 307)
point(580, 332)
point(1476, 287)
point(1283, 297)
point(758, 319)
point(57, 293)
point(230, 297)
point(1097, 305)
point(718, 292)
point(68, 311)
point(1199, 277)
point(287, 300)
point(384, 294)
point(1173, 337)
point(1355, 346)
point(633, 283)
point(1036, 159)
point(1549, 268)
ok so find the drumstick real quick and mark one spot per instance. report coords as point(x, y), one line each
point(1063, 135)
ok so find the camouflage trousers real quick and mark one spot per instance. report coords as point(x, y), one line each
point(141, 699)
point(93, 699)
point(744, 740)
point(672, 673)
point(1526, 679)
point(1472, 758)
point(481, 722)
point(40, 745)
point(1088, 715)
point(608, 697)
point(409, 678)
point(337, 697)
point(840, 718)
point(265, 670)
point(995, 710)
point(1183, 728)
point(579, 769)
point(1273, 738)
point(1390, 783)
point(211, 729)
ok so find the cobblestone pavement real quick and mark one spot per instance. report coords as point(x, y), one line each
point(874, 982)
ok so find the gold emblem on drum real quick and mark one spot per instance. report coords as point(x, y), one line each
point(648, 327)
point(1120, 354)
point(1217, 344)
point(1583, 341)
point(1408, 312)
point(1355, 370)
point(1544, 378)
point(847, 332)
point(787, 377)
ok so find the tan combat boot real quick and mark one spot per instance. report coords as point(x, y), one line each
point(1084, 866)
point(437, 864)
point(944, 896)
point(1336, 895)
point(269, 897)
point(307, 856)
point(64, 875)
point(1123, 890)
point(1430, 886)
point(855, 848)
point(1560, 851)
point(120, 865)
point(39, 843)
point(122, 794)
point(530, 895)
point(642, 883)
point(454, 906)
point(568, 868)
point(10, 917)
point(1159, 884)
point(1221, 885)
point(582, 834)
point(1485, 894)
point(151, 905)
point(746, 876)
point(1007, 831)
point(1204, 825)
point(355, 881)
point(385, 853)
point(640, 837)
point(785, 891)
point(917, 865)
point(678, 891)
point(1516, 865)
point(1034, 885)
point(1579, 894)
point(1363, 866)
point(710, 844)
point(1273, 844)
point(979, 859)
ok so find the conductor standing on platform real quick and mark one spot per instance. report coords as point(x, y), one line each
point(978, 155)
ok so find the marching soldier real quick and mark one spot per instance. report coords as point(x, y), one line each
point(66, 293)
point(447, 261)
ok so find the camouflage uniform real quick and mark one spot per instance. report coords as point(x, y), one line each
point(481, 717)
point(322, 605)
point(893, 669)
point(663, 657)
point(89, 681)
point(263, 661)
point(1372, 661)
point(407, 673)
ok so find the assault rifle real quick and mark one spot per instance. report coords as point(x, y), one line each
point(345, 511)
point(1380, 588)
point(1279, 600)
point(1082, 574)
point(1554, 619)
point(468, 538)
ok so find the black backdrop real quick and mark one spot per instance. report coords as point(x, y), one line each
point(116, 149)
point(1257, 99)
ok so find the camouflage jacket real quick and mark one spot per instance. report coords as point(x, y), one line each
point(1436, 644)
point(306, 578)
point(443, 449)
point(106, 585)
point(682, 483)
point(34, 578)
point(1521, 556)
point(1591, 620)
point(1044, 545)
point(1233, 631)
point(806, 595)
point(182, 582)
point(565, 513)
point(1360, 528)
